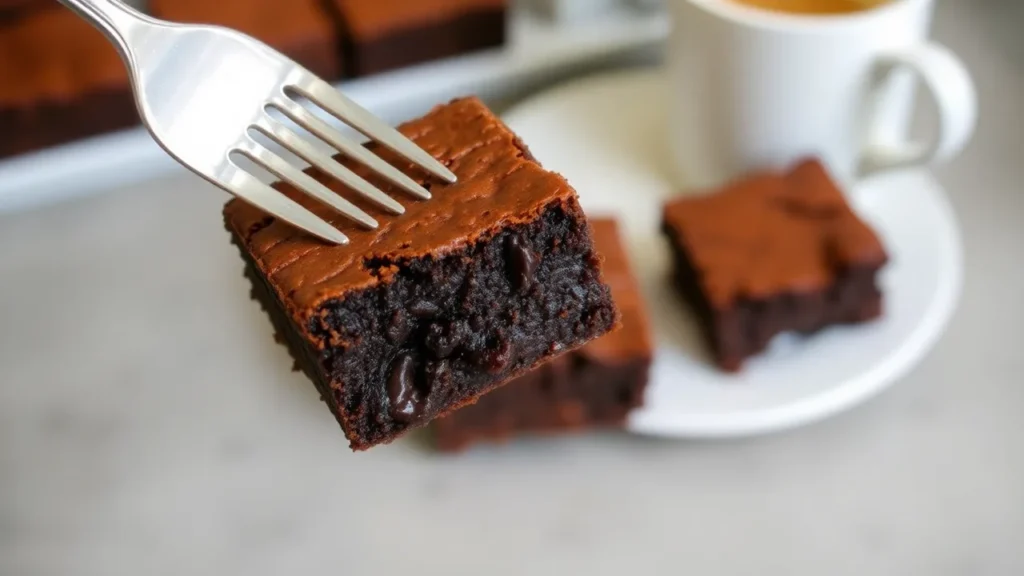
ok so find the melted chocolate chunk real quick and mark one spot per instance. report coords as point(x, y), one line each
point(521, 263)
point(406, 404)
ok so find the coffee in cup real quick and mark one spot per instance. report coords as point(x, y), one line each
point(813, 6)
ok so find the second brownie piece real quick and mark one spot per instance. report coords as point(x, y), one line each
point(381, 35)
point(770, 253)
point(60, 79)
point(492, 276)
point(596, 385)
point(8, 8)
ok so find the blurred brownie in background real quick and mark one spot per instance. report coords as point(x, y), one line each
point(301, 29)
point(594, 386)
point(381, 35)
point(60, 79)
point(8, 7)
point(771, 253)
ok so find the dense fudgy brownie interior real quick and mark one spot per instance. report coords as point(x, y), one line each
point(772, 253)
point(446, 329)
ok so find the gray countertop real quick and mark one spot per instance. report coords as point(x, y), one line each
point(149, 425)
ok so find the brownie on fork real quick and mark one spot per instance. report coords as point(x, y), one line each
point(488, 279)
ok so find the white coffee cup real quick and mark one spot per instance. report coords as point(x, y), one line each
point(751, 89)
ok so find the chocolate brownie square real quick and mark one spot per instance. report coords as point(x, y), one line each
point(491, 277)
point(300, 29)
point(387, 34)
point(60, 80)
point(770, 253)
point(594, 386)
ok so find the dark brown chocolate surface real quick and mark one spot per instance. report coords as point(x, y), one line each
point(60, 79)
point(9, 8)
point(388, 34)
point(493, 275)
point(301, 29)
point(597, 385)
point(773, 252)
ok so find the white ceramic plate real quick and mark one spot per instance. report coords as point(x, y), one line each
point(606, 135)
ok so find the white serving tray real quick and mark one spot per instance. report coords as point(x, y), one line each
point(538, 54)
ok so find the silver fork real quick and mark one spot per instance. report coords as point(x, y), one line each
point(202, 91)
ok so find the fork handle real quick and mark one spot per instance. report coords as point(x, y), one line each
point(114, 18)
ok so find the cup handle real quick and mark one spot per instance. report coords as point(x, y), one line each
point(948, 84)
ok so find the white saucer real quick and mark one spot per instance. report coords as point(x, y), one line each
point(606, 135)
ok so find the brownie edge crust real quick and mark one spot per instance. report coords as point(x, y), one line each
point(493, 276)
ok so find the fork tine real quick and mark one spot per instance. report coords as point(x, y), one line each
point(250, 189)
point(328, 98)
point(353, 150)
point(304, 182)
point(292, 141)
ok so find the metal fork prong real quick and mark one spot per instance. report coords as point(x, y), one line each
point(327, 97)
point(250, 189)
point(347, 147)
point(304, 182)
point(303, 149)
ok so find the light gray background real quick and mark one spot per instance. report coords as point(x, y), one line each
point(148, 425)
